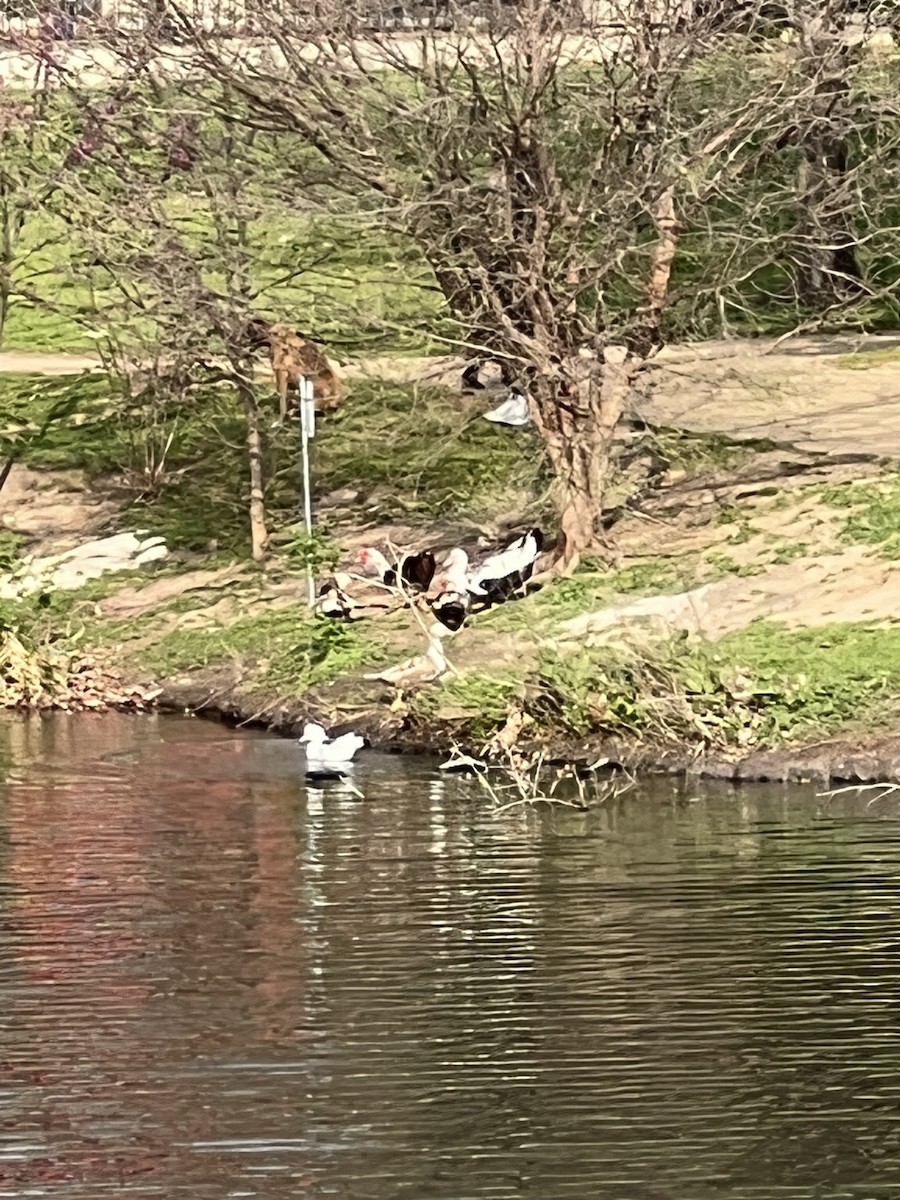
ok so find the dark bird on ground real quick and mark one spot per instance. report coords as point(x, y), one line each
point(415, 571)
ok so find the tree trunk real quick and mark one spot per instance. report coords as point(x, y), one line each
point(828, 270)
point(578, 418)
point(5, 298)
point(648, 336)
point(259, 534)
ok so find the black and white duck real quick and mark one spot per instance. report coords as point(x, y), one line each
point(507, 569)
point(333, 601)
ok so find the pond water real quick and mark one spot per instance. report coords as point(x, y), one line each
point(215, 982)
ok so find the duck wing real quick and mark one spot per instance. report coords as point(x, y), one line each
point(342, 749)
point(417, 570)
point(510, 567)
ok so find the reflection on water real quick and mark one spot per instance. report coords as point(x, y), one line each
point(217, 982)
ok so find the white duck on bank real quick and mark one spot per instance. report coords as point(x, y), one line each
point(448, 597)
point(507, 570)
point(323, 752)
point(334, 601)
point(458, 582)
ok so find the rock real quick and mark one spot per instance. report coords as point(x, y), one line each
point(339, 498)
point(39, 520)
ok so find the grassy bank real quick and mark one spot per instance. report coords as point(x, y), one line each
point(419, 464)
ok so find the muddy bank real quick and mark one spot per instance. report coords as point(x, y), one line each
point(827, 761)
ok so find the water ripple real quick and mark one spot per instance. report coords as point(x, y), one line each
point(217, 984)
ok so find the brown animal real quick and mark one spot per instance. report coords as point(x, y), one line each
point(292, 356)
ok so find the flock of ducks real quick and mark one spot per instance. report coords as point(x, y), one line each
point(448, 585)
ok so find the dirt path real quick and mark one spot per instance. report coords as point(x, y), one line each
point(836, 396)
point(840, 396)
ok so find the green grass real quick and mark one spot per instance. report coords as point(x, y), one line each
point(408, 451)
point(480, 699)
point(873, 513)
point(362, 285)
point(764, 686)
point(791, 550)
point(821, 678)
point(285, 650)
point(862, 360)
point(704, 453)
point(421, 454)
point(724, 564)
point(363, 291)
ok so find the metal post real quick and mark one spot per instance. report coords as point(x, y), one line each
point(307, 432)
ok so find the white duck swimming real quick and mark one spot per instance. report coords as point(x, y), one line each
point(324, 752)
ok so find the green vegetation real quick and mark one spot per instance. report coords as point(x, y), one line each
point(764, 686)
point(873, 513)
point(483, 697)
point(724, 564)
point(162, 265)
point(44, 657)
point(419, 452)
point(362, 292)
point(704, 453)
point(863, 360)
point(408, 451)
point(284, 650)
point(791, 550)
point(325, 250)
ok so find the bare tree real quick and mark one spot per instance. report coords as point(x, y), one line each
point(828, 268)
point(33, 148)
point(547, 169)
point(181, 241)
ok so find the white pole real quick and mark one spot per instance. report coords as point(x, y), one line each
point(307, 431)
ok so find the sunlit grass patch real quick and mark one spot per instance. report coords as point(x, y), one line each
point(873, 512)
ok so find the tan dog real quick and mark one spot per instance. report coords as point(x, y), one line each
point(292, 356)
